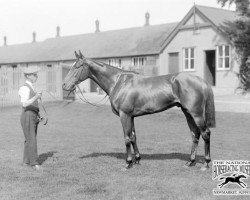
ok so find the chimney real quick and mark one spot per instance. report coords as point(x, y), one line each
point(34, 36)
point(97, 29)
point(5, 40)
point(58, 31)
point(147, 16)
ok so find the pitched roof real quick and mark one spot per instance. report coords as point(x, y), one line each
point(118, 43)
point(217, 17)
point(136, 41)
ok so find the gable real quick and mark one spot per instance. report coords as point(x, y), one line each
point(194, 18)
point(203, 17)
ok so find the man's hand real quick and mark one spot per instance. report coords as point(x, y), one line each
point(39, 95)
point(44, 120)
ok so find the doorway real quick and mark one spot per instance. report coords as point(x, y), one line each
point(210, 68)
point(173, 63)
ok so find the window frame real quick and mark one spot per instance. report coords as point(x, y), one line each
point(223, 57)
point(189, 58)
point(51, 78)
point(138, 61)
point(116, 62)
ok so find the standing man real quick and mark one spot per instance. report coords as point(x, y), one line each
point(30, 117)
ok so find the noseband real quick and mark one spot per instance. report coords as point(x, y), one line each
point(78, 75)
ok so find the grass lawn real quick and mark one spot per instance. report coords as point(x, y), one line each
point(82, 153)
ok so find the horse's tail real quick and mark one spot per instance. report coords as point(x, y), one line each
point(210, 109)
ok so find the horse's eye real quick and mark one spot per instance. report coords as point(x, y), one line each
point(78, 65)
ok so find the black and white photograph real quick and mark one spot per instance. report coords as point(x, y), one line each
point(124, 99)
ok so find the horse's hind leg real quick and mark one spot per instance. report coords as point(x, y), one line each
point(205, 133)
point(134, 143)
point(206, 137)
point(195, 133)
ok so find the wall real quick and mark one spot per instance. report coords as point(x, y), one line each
point(11, 79)
point(206, 39)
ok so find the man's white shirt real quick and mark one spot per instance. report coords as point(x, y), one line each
point(24, 92)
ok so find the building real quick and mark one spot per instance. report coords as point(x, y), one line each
point(197, 44)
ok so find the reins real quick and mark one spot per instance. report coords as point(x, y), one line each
point(111, 90)
point(86, 101)
point(96, 103)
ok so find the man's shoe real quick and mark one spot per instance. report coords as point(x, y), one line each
point(37, 167)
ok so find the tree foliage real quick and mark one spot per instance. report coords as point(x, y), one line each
point(239, 34)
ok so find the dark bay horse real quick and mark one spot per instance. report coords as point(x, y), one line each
point(132, 95)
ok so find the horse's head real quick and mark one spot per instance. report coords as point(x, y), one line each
point(79, 72)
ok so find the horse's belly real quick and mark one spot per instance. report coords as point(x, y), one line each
point(144, 100)
point(153, 105)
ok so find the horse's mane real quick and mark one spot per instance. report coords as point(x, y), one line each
point(130, 72)
point(102, 64)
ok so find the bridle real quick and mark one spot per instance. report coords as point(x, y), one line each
point(82, 98)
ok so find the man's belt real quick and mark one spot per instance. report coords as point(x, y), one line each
point(31, 108)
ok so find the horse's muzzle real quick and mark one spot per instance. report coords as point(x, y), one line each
point(67, 87)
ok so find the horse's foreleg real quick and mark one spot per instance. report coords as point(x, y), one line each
point(243, 185)
point(127, 129)
point(134, 144)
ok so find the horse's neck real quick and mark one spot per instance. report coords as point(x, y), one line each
point(104, 76)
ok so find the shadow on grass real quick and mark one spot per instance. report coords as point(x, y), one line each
point(158, 156)
point(44, 156)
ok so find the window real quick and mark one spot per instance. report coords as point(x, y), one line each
point(188, 59)
point(51, 79)
point(115, 62)
point(17, 77)
point(223, 57)
point(4, 82)
point(138, 61)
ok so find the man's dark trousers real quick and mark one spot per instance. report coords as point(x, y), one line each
point(29, 121)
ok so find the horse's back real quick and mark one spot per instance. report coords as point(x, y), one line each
point(138, 94)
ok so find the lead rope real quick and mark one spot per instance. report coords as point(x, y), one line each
point(86, 101)
point(45, 120)
point(95, 104)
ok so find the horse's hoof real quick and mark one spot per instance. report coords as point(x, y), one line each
point(137, 160)
point(124, 169)
point(129, 164)
point(205, 167)
point(190, 163)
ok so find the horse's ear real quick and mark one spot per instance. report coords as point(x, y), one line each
point(80, 54)
point(77, 56)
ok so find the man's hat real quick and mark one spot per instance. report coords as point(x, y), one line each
point(31, 70)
